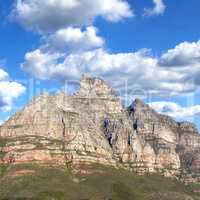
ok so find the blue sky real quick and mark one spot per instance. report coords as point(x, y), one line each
point(121, 41)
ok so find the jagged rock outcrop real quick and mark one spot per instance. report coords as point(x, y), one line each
point(176, 145)
point(92, 126)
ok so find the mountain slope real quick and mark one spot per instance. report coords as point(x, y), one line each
point(35, 182)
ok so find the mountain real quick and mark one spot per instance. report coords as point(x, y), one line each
point(93, 127)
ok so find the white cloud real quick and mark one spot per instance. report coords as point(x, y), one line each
point(175, 110)
point(3, 75)
point(158, 9)
point(183, 54)
point(9, 91)
point(42, 65)
point(74, 39)
point(184, 58)
point(51, 15)
point(138, 69)
point(97, 62)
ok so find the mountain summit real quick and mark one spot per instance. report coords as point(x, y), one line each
point(92, 126)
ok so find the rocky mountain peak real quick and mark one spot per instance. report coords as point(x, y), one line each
point(138, 107)
point(138, 101)
point(95, 88)
point(139, 104)
point(41, 96)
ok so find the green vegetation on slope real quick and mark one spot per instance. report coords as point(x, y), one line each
point(31, 182)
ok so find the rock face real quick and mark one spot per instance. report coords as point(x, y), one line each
point(92, 126)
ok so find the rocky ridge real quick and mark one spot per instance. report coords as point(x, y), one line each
point(92, 126)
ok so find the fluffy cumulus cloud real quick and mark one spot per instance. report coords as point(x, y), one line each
point(51, 15)
point(97, 62)
point(183, 54)
point(158, 9)
point(9, 91)
point(74, 39)
point(137, 69)
point(175, 110)
point(3, 75)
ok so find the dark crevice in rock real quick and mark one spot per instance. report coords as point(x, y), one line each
point(64, 127)
point(153, 130)
point(110, 139)
point(135, 125)
point(129, 140)
point(106, 124)
point(107, 131)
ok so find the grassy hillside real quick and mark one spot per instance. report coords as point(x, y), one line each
point(31, 182)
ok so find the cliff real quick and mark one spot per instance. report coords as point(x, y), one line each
point(92, 126)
